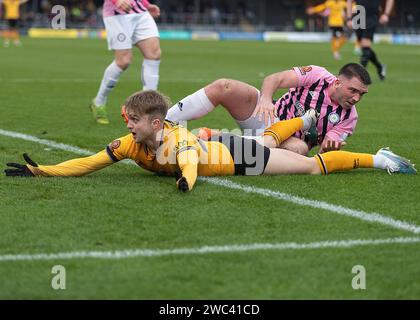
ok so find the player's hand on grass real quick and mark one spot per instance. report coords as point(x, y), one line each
point(154, 10)
point(124, 5)
point(20, 170)
point(331, 145)
point(264, 111)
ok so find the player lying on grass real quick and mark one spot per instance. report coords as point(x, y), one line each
point(333, 97)
point(164, 147)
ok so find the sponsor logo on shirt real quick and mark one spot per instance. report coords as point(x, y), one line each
point(313, 93)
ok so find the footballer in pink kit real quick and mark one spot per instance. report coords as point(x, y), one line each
point(335, 121)
point(128, 23)
point(333, 97)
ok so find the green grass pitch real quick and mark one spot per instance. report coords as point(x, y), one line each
point(46, 87)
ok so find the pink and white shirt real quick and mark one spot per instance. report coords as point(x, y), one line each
point(335, 122)
point(110, 8)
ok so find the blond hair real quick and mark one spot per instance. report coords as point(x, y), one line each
point(148, 102)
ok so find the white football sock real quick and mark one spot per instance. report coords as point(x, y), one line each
point(110, 78)
point(191, 107)
point(150, 74)
point(307, 121)
point(379, 161)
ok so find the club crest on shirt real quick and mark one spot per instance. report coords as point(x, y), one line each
point(115, 144)
point(305, 70)
point(333, 118)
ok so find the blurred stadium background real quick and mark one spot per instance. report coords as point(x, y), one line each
point(217, 15)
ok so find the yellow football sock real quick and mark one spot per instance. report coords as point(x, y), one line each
point(282, 130)
point(15, 35)
point(335, 44)
point(343, 161)
point(341, 41)
point(6, 35)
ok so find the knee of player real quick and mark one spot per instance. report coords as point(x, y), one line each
point(154, 54)
point(302, 149)
point(223, 85)
point(124, 61)
point(296, 146)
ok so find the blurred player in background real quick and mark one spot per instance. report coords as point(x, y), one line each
point(166, 148)
point(12, 15)
point(365, 35)
point(128, 23)
point(310, 87)
point(336, 22)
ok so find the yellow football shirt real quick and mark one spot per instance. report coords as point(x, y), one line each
point(11, 9)
point(336, 8)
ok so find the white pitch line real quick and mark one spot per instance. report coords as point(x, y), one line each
point(48, 143)
point(370, 217)
point(132, 253)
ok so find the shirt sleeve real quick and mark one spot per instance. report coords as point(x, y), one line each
point(308, 75)
point(186, 155)
point(119, 149)
point(320, 8)
point(75, 167)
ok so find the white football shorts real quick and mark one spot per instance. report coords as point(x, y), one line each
point(252, 126)
point(123, 31)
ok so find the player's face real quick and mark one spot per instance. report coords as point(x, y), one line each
point(140, 127)
point(350, 91)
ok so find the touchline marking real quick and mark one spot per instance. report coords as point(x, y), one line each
point(132, 253)
point(370, 217)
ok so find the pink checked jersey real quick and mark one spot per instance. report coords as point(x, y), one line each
point(110, 9)
point(312, 92)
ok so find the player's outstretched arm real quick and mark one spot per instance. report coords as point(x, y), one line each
point(72, 168)
point(273, 82)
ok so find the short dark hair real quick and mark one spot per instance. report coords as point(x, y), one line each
point(351, 70)
point(148, 102)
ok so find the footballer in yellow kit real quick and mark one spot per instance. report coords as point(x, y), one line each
point(180, 153)
point(166, 148)
point(12, 15)
point(336, 22)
